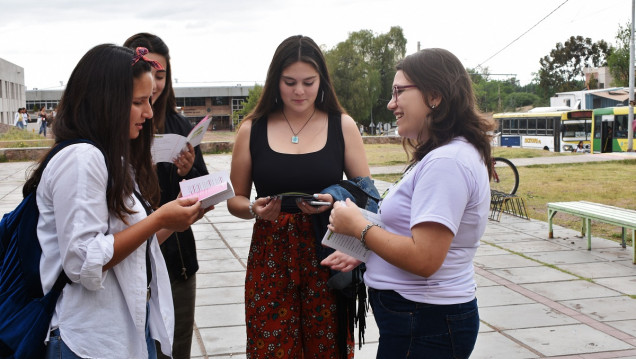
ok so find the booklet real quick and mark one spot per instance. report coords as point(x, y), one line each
point(209, 189)
point(351, 245)
point(166, 147)
point(296, 195)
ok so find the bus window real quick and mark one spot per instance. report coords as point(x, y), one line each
point(532, 126)
point(541, 126)
point(505, 127)
point(523, 126)
point(620, 126)
point(597, 127)
point(514, 127)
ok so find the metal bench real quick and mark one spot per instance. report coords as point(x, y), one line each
point(588, 211)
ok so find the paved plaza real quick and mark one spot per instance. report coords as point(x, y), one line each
point(538, 297)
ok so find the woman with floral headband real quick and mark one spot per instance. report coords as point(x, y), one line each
point(179, 250)
point(96, 219)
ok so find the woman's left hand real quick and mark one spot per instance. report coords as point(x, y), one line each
point(185, 161)
point(306, 207)
point(340, 262)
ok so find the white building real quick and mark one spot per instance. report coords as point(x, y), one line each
point(12, 90)
point(591, 99)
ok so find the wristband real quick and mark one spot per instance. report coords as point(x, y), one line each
point(364, 233)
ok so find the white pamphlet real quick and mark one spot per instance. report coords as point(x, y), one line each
point(351, 245)
point(166, 147)
point(209, 189)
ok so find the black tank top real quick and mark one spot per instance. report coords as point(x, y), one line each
point(274, 172)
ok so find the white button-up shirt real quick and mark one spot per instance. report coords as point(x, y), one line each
point(102, 314)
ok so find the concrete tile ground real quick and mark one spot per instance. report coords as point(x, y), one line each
point(538, 297)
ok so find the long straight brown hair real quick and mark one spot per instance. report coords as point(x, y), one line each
point(96, 106)
point(291, 50)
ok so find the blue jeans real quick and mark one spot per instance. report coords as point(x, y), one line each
point(42, 128)
point(418, 330)
point(57, 349)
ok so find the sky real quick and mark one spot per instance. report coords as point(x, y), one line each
point(231, 42)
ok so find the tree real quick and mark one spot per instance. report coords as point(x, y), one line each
point(499, 95)
point(362, 69)
point(562, 69)
point(248, 105)
point(618, 60)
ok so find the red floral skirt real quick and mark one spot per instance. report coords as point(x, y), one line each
point(290, 311)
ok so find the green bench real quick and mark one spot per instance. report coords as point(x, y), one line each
point(589, 211)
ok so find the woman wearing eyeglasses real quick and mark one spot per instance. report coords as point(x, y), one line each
point(420, 274)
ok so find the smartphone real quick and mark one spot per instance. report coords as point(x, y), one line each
point(319, 203)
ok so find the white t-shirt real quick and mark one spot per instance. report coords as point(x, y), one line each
point(449, 186)
point(102, 314)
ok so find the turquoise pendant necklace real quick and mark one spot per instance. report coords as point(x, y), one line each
point(294, 138)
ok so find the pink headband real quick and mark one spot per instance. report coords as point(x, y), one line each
point(140, 53)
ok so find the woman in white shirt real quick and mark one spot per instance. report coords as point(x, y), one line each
point(420, 274)
point(93, 222)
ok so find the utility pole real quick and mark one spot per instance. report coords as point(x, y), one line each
point(630, 118)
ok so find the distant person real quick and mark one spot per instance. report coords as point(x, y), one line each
point(99, 220)
point(19, 119)
point(580, 147)
point(42, 120)
point(179, 250)
point(609, 138)
point(420, 272)
point(297, 139)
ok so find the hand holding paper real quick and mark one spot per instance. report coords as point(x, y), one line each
point(349, 244)
point(209, 189)
point(166, 147)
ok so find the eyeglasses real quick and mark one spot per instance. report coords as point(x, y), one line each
point(397, 90)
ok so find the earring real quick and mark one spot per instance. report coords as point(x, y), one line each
point(433, 107)
point(276, 100)
point(322, 97)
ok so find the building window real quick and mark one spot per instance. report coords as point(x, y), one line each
point(220, 101)
point(190, 101)
point(237, 104)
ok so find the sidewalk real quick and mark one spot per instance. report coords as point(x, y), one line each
point(538, 297)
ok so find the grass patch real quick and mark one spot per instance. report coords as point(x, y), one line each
point(508, 152)
point(17, 138)
point(610, 183)
point(385, 154)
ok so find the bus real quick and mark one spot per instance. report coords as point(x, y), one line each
point(554, 129)
point(576, 126)
point(610, 126)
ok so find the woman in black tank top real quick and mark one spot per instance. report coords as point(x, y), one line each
point(297, 140)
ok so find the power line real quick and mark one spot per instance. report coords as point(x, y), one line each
point(520, 36)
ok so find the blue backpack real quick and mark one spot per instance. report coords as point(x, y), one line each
point(25, 311)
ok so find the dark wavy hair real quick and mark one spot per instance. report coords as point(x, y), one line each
point(439, 72)
point(291, 50)
point(166, 102)
point(96, 106)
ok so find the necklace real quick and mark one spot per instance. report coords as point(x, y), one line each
point(294, 138)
